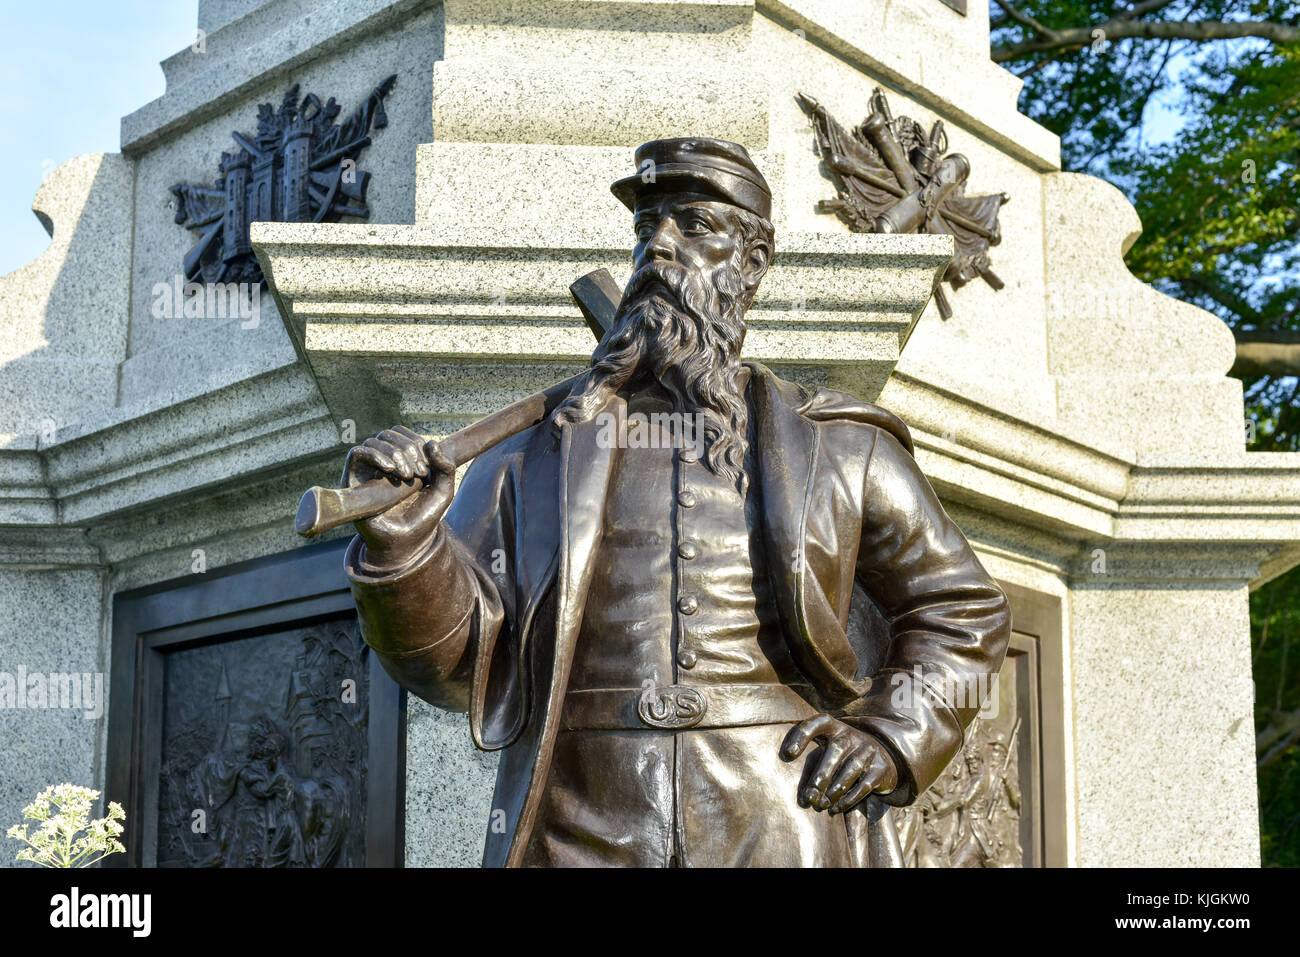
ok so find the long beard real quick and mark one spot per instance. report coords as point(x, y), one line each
point(687, 334)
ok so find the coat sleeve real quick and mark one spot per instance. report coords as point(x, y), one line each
point(430, 619)
point(950, 622)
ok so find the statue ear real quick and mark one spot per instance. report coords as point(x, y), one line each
point(758, 256)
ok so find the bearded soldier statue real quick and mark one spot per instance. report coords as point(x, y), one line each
point(734, 644)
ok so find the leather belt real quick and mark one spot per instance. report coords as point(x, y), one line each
point(677, 707)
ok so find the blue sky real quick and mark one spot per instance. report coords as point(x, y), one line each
point(71, 69)
point(1163, 119)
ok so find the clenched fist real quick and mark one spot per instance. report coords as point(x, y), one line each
point(401, 456)
point(851, 766)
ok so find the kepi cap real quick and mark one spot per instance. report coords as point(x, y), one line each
point(697, 162)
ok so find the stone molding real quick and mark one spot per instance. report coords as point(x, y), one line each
point(251, 51)
point(355, 297)
point(951, 74)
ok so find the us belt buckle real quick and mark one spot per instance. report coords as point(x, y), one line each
point(671, 707)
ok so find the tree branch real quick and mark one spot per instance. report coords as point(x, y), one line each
point(1025, 20)
point(1266, 358)
point(1276, 751)
point(1289, 337)
point(1283, 727)
point(1116, 29)
point(1280, 724)
point(1224, 297)
point(1142, 9)
point(1045, 61)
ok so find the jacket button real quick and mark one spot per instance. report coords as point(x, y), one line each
point(686, 499)
point(687, 605)
point(688, 456)
point(687, 659)
point(687, 550)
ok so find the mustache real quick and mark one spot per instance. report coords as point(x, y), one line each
point(670, 276)
point(675, 284)
point(684, 291)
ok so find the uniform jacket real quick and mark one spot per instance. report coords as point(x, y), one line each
point(884, 605)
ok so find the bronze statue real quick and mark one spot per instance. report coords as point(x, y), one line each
point(644, 599)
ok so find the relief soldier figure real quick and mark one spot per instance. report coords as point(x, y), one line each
point(657, 637)
point(971, 816)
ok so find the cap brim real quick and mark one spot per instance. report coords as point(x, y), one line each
point(727, 187)
point(631, 188)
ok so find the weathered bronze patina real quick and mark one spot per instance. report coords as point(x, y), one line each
point(895, 177)
point(301, 167)
point(707, 615)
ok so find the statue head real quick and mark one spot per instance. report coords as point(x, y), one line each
point(265, 740)
point(704, 241)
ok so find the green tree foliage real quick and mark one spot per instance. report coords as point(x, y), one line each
point(1275, 646)
point(1221, 202)
point(1220, 206)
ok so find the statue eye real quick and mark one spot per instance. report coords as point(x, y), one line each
point(644, 231)
point(695, 224)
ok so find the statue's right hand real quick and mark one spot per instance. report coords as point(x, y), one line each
point(402, 455)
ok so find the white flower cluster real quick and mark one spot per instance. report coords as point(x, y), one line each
point(55, 841)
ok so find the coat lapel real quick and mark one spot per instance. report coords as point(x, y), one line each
point(788, 449)
point(584, 471)
point(503, 689)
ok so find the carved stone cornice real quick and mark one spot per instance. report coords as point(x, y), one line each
point(1242, 510)
point(964, 86)
point(249, 53)
point(373, 307)
point(129, 460)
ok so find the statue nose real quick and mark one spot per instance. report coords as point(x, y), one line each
point(661, 245)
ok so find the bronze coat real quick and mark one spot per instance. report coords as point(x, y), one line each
point(503, 585)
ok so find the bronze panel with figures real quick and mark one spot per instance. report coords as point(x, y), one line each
point(983, 810)
point(264, 744)
point(250, 726)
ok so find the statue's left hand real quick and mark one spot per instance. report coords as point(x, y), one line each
point(852, 764)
